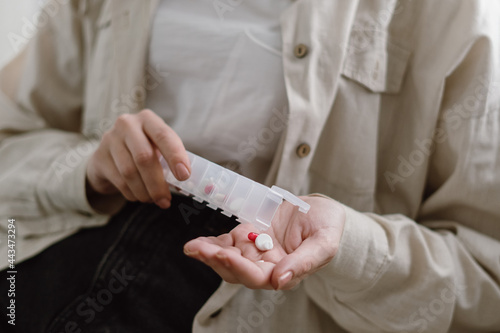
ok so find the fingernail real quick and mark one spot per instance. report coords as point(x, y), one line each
point(284, 279)
point(189, 253)
point(181, 171)
point(164, 203)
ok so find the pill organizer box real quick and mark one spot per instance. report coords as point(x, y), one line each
point(234, 194)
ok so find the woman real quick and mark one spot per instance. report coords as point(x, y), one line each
point(388, 110)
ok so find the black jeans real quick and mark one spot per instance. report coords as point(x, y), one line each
point(128, 276)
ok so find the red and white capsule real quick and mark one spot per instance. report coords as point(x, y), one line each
point(263, 242)
point(252, 236)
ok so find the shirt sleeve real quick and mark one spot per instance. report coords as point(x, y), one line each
point(441, 271)
point(44, 154)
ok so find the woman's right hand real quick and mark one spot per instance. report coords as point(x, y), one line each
point(127, 159)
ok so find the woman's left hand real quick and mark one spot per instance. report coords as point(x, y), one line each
point(303, 243)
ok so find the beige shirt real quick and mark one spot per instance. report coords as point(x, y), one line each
point(399, 103)
point(225, 79)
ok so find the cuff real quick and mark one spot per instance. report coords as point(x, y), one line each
point(63, 187)
point(362, 253)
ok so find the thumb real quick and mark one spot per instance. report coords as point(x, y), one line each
point(313, 254)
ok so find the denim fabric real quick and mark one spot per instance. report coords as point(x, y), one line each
point(128, 276)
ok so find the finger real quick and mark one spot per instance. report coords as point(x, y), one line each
point(224, 240)
point(198, 244)
point(250, 251)
point(309, 257)
point(221, 266)
point(148, 166)
point(248, 272)
point(169, 144)
point(206, 252)
point(127, 169)
point(227, 263)
point(113, 175)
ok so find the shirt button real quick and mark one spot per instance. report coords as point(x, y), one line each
point(300, 51)
point(303, 150)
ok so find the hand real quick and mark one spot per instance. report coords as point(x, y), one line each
point(303, 244)
point(127, 159)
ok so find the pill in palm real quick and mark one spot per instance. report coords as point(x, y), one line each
point(263, 242)
point(253, 236)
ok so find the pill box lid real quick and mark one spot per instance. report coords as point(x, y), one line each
point(303, 206)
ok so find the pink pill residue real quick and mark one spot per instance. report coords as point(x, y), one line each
point(209, 188)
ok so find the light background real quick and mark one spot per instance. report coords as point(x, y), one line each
point(12, 13)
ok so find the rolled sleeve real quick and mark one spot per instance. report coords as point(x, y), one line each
point(362, 253)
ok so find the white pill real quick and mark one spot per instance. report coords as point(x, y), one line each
point(264, 242)
point(219, 197)
point(189, 185)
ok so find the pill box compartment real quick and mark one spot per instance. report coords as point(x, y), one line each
point(234, 194)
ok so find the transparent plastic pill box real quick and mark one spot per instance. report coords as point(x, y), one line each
point(234, 194)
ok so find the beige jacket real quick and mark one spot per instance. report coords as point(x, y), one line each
point(399, 102)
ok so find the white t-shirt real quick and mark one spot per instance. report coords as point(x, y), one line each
point(224, 93)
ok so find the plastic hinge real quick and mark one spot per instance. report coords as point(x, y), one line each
point(303, 206)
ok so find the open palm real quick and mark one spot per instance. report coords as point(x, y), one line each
point(303, 243)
